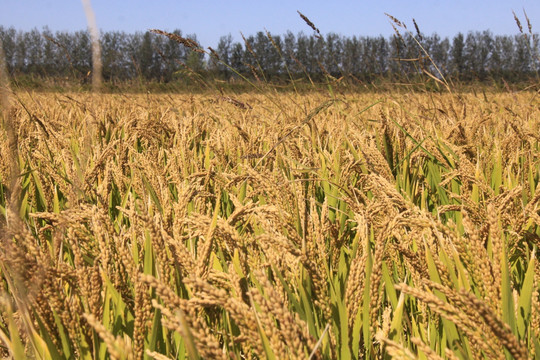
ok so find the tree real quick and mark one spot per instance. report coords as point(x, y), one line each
point(147, 59)
point(267, 55)
point(237, 58)
point(476, 52)
point(522, 55)
point(315, 56)
point(374, 56)
point(457, 55)
point(50, 50)
point(193, 59)
point(381, 50)
point(333, 54)
point(224, 52)
point(115, 63)
point(351, 56)
point(155, 57)
point(171, 53)
point(302, 53)
point(8, 37)
point(80, 49)
point(288, 51)
point(438, 51)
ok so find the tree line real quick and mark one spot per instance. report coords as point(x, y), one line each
point(268, 57)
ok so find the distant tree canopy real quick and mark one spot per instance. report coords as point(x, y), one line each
point(269, 57)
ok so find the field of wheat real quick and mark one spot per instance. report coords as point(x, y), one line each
point(266, 225)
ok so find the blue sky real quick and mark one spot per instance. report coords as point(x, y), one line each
point(212, 19)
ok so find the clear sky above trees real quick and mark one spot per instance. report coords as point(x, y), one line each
point(212, 19)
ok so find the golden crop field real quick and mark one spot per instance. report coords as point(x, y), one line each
point(270, 225)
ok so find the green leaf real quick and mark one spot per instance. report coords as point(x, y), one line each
point(41, 200)
point(396, 327)
point(342, 323)
point(155, 333)
point(188, 337)
point(152, 192)
point(16, 344)
point(525, 298)
point(53, 352)
point(506, 294)
point(207, 156)
point(366, 320)
point(148, 265)
point(56, 201)
point(389, 286)
point(64, 337)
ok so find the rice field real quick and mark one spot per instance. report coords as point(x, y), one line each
point(270, 225)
